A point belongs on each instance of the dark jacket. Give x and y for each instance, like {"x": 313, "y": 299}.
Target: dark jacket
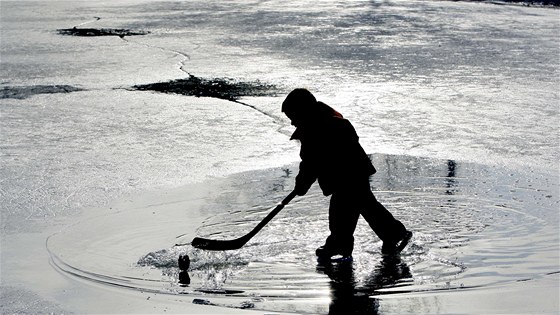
{"x": 330, "y": 153}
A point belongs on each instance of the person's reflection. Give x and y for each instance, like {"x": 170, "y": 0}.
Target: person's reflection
{"x": 350, "y": 297}
{"x": 184, "y": 263}
{"x": 184, "y": 279}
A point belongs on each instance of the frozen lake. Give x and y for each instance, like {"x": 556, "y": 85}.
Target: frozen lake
{"x": 424, "y": 82}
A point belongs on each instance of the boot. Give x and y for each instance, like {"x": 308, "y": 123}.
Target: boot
{"x": 334, "y": 248}
{"x": 395, "y": 247}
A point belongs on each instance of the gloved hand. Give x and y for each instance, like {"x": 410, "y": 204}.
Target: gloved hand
{"x": 304, "y": 179}
{"x": 302, "y": 187}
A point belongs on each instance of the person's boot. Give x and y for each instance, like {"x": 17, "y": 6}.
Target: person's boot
{"x": 395, "y": 247}
{"x": 329, "y": 251}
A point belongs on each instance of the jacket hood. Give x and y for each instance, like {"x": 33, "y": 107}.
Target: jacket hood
{"x": 321, "y": 113}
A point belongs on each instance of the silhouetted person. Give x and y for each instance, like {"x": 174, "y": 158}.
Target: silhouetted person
{"x": 330, "y": 153}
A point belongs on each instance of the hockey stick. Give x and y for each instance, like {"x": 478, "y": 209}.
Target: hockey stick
{"x": 207, "y": 244}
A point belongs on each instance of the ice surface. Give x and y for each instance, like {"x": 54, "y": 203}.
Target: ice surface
{"x": 412, "y": 83}
{"x": 465, "y": 82}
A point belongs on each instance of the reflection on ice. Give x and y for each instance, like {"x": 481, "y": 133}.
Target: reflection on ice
{"x": 349, "y": 292}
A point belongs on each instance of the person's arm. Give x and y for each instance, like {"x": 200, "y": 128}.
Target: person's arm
{"x": 305, "y": 178}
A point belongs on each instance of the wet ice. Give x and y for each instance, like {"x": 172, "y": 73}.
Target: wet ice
{"x": 464, "y": 227}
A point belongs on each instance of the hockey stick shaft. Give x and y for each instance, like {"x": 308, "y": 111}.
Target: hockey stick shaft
{"x": 208, "y": 244}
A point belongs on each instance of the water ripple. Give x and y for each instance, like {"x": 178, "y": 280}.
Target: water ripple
{"x": 468, "y": 234}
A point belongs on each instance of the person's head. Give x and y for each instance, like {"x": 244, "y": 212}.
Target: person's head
{"x": 299, "y": 106}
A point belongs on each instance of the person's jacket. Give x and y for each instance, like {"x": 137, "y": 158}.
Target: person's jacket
{"x": 330, "y": 153}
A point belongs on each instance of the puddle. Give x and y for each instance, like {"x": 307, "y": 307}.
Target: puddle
{"x": 90, "y": 32}
{"x": 223, "y": 88}
{"x": 21, "y": 92}
{"x": 476, "y": 227}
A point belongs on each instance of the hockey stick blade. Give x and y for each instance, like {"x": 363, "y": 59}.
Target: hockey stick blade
{"x": 208, "y": 244}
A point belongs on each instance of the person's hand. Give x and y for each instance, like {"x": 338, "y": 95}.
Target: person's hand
{"x": 301, "y": 188}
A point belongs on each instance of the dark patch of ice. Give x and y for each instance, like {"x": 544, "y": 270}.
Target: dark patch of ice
{"x": 202, "y": 302}
{"x": 223, "y": 88}
{"x": 538, "y": 3}
{"x": 21, "y": 92}
{"x": 99, "y": 32}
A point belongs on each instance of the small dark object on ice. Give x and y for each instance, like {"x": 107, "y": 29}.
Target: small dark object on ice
{"x": 184, "y": 278}
{"x": 219, "y": 291}
{"x": 184, "y": 262}
{"x": 202, "y": 302}
{"x": 246, "y": 305}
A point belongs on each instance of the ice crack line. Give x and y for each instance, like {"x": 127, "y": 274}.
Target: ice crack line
{"x": 96, "y": 18}
{"x": 185, "y": 57}
{"x": 277, "y": 120}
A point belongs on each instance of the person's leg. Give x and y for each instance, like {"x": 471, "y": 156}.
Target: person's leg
{"x": 343, "y": 217}
{"x": 390, "y": 230}
{"x": 381, "y": 221}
